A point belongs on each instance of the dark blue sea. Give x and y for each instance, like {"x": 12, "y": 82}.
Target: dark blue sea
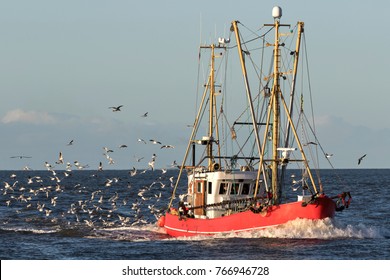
{"x": 111, "y": 215}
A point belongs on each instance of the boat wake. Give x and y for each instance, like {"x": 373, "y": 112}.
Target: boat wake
{"x": 304, "y": 229}
{"x": 317, "y": 229}
{"x": 298, "y": 229}
{"x": 147, "y": 232}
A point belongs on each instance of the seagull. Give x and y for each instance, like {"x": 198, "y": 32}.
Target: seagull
{"x": 138, "y": 159}
{"x": 79, "y": 166}
{"x": 310, "y": 143}
{"x": 30, "y": 180}
{"x": 116, "y": 109}
{"x": 151, "y": 164}
{"x": 108, "y": 182}
{"x": 144, "y": 115}
{"x": 7, "y": 186}
{"x": 100, "y": 168}
{"x": 110, "y": 160}
{"x": 328, "y": 155}
{"x": 54, "y": 201}
{"x": 70, "y": 143}
{"x": 60, "y": 159}
{"x": 141, "y": 140}
{"x": 68, "y": 167}
{"x": 133, "y": 172}
{"x": 167, "y": 146}
{"x": 108, "y": 150}
{"x": 361, "y": 158}
{"x": 20, "y": 157}
{"x": 155, "y": 141}
{"x": 47, "y": 211}
{"x": 123, "y": 146}
{"x": 48, "y": 165}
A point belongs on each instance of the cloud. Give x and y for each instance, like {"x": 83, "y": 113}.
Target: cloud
{"x": 30, "y": 117}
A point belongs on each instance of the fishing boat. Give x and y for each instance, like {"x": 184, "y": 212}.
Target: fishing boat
{"x": 254, "y": 170}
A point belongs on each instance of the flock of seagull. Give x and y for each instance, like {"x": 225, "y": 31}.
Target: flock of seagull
{"x": 90, "y": 198}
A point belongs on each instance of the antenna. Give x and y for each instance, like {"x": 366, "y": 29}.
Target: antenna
{"x": 200, "y": 28}
{"x": 277, "y": 12}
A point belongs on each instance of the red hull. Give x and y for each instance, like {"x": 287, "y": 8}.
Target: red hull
{"x": 324, "y": 207}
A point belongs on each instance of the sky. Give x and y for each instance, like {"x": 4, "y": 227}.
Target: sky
{"x": 64, "y": 63}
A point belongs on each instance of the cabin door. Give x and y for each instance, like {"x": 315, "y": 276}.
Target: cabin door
{"x": 199, "y": 192}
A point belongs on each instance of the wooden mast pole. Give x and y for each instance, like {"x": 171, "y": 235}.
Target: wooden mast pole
{"x": 275, "y": 96}
{"x": 276, "y": 115}
{"x": 211, "y": 113}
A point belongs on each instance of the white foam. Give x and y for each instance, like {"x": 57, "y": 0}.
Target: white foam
{"x": 32, "y": 230}
{"x": 303, "y": 229}
{"x": 146, "y": 232}
{"x": 297, "y": 229}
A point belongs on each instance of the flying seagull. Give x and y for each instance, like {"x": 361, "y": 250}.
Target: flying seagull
{"x": 138, "y": 159}
{"x": 361, "y": 158}
{"x": 155, "y": 141}
{"x": 151, "y": 164}
{"x": 167, "y": 147}
{"x": 20, "y": 157}
{"x": 116, "y": 109}
{"x": 145, "y": 115}
{"x": 60, "y": 159}
{"x": 70, "y": 142}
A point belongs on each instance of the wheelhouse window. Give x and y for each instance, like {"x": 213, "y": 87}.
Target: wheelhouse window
{"x": 235, "y": 188}
{"x": 245, "y": 188}
{"x": 210, "y": 188}
{"x": 223, "y": 187}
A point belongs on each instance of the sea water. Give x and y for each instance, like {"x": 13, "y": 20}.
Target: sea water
{"x": 111, "y": 215}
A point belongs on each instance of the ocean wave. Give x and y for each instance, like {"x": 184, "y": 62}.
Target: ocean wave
{"x": 28, "y": 230}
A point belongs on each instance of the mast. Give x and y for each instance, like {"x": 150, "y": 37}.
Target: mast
{"x": 276, "y": 116}
{"x": 277, "y": 99}
{"x": 212, "y": 105}
{"x": 211, "y": 110}
{"x": 275, "y": 96}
